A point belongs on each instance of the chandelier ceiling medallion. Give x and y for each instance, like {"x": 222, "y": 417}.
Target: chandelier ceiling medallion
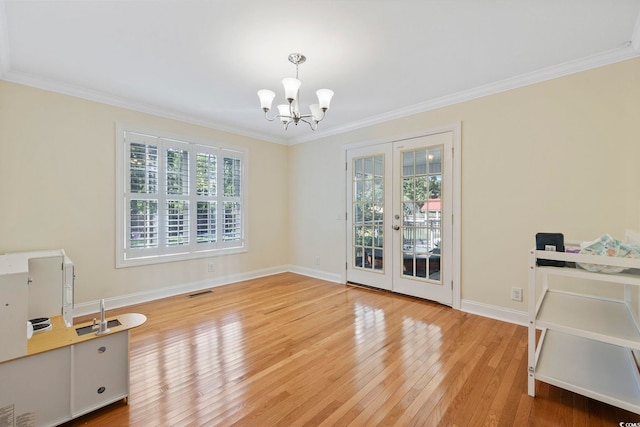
{"x": 291, "y": 113}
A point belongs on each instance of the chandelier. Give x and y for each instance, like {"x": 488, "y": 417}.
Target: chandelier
{"x": 290, "y": 113}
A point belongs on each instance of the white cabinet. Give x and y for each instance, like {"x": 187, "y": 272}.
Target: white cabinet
{"x": 34, "y": 389}
{"x": 52, "y": 387}
{"x": 587, "y": 342}
{"x": 100, "y": 372}
{"x": 65, "y": 375}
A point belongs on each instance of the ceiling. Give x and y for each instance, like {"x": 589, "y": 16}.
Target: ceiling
{"x": 203, "y": 61}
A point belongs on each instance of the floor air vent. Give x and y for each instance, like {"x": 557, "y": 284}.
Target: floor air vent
{"x": 197, "y": 294}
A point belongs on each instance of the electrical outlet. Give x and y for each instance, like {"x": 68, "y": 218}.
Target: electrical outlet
{"x": 210, "y": 267}
{"x": 516, "y": 294}
{"x": 317, "y": 260}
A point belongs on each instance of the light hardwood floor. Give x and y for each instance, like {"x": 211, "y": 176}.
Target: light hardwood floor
{"x": 289, "y": 350}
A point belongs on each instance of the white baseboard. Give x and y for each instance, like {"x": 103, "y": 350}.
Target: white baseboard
{"x": 317, "y": 274}
{"x": 91, "y": 307}
{"x": 494, "y": 312}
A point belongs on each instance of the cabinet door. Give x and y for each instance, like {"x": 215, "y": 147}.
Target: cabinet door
{"x": 45, "y": 288}
{"x": 36, "y": 389}
{"x": 13, "y": 315}
{"x": 100, "y": 372}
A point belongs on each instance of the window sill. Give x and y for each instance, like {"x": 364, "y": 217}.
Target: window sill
{"x": 163, "y": 259}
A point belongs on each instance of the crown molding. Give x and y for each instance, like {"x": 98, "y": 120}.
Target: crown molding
{"x": 115, "y": 101}
{"x": 594, "y": 61}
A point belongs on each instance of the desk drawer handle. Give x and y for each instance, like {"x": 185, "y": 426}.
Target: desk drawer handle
{"x": 102, "y": 349}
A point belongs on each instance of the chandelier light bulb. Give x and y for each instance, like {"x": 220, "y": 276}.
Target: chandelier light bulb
{"x": 291, "y": 87}
{"x": 290, "y": 113}
{"x": 316, "y": 112}
{"x": 266, "y": 99}
{"x": 324, "y": 98}
{"x": 284, "y": 113}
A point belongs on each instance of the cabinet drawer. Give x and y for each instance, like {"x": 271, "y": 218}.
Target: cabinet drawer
{"x": 100, "y": 372}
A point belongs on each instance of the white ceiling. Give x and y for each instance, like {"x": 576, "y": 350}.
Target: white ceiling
{"x": 203, "y": 61}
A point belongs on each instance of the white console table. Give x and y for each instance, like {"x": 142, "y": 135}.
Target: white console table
{"x": 65, "y": 375}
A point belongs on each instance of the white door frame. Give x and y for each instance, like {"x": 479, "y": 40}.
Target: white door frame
{"x": 456, "y": 130}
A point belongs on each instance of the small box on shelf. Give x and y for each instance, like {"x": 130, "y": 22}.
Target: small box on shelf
{"x": 553, "y": 242}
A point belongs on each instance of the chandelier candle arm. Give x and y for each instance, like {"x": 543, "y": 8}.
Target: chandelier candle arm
{"x": 290, "y": 113}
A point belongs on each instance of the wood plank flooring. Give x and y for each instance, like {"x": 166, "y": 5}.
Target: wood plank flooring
{"x": 289, "y": 350}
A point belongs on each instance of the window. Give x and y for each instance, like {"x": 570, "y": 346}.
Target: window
{"x": 177, "y": 199}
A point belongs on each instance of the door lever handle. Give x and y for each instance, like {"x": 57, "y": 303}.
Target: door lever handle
{"x": 396, "y": 227}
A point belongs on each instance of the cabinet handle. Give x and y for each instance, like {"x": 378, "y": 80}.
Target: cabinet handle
{"x": 101, "y": 390}
{"x": 102, "y": 349}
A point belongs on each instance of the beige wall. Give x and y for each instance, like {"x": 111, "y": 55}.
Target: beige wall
{"x": 558, "y": 156}
{"x": 317, "y": 207}
{"x": 57, "y": 174}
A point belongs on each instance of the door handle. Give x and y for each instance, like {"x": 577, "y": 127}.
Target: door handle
{"x": 396, "y": 227}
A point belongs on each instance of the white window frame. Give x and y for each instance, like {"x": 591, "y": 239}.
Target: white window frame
{"x": 127, "y": 256}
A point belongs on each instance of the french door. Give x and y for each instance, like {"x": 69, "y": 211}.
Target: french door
{"x": 399, "y": 215}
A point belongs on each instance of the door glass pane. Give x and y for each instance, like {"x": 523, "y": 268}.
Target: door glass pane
{"x": 378, "y": 166}
{"x": 407, "y": 189}
{"x": 407, "y": 163}
{"x": 408, "y": 264}
{"x": 422, "y": 210}
{"x": 357, "y": 168}
{"x": 358, "y": 215}
{"x": 368, "y": 208}
{"x": 368, "y": 168}
{"x": 359, "y": 190}
{"x": 358, "y": 254}
{"x": 421, "y": 162}
{"x": 358, "y": 231}
{"x": 435, "y": 160}
{"x": 378, "y": 193}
